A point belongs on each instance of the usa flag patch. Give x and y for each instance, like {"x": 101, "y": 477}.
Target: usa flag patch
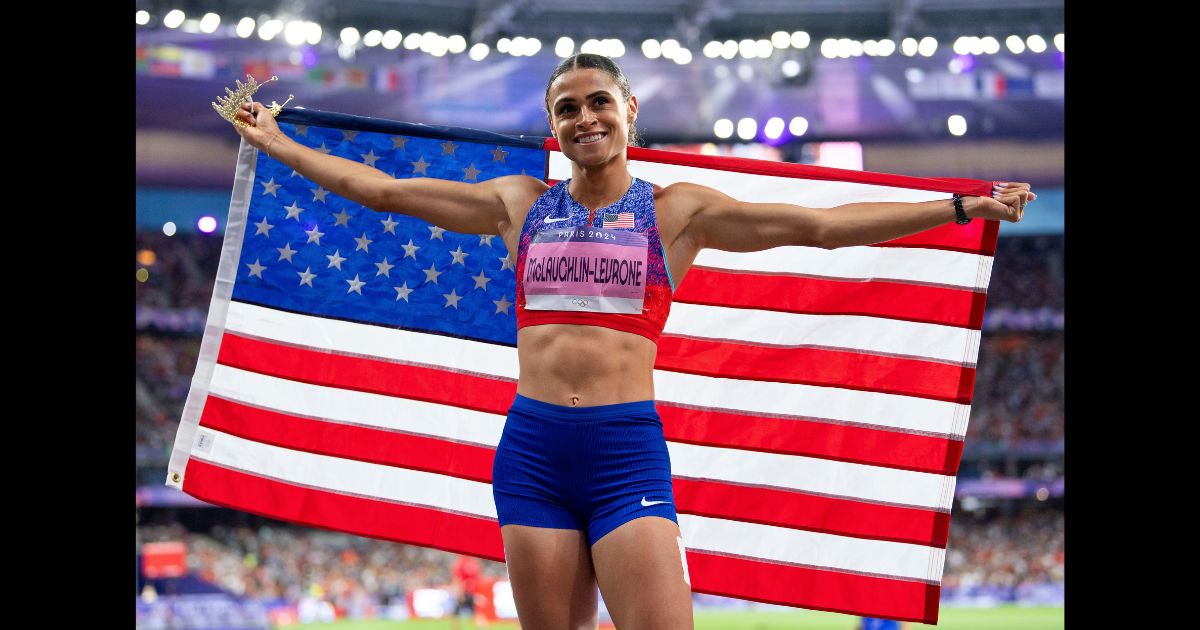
{"x": 618, "y": 220}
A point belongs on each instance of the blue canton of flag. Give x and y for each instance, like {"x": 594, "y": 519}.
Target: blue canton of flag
{"x": 308, "y": 250}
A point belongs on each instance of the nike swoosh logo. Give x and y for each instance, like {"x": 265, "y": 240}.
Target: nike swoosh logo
{"x": 646, "y": 503}
{"x": 549, "y": 220}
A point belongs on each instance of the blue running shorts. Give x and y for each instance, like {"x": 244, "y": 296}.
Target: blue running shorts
{"x": 587, "y": 468}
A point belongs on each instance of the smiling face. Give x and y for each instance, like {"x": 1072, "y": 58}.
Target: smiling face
{"x": 589, "y": 116}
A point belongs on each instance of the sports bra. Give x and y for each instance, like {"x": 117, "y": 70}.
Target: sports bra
{"x": 605, "y": 268}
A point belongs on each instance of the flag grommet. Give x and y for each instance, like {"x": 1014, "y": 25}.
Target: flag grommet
{"x": 176, "y": 477}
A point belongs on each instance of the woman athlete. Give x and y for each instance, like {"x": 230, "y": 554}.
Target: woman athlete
{"x": 582, "y": 480}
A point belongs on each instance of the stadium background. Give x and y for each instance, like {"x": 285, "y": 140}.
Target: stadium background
{"x": 947, "y": 88}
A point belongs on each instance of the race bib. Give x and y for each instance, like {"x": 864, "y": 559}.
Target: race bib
{"x": 600, "y": 270}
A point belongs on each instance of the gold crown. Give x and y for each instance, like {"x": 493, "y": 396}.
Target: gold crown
{"x": 230, "y": 104}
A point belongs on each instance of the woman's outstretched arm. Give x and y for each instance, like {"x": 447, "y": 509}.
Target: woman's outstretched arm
{"x": 457, "y": 206}
{"x": 719, "y": 221}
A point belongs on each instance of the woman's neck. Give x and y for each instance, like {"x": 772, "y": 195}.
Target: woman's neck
{"x": 601, "y": 185}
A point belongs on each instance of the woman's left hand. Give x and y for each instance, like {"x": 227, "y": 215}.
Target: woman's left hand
{"x": 1007, "y": 202}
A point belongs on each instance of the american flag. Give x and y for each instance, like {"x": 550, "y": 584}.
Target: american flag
{"x": 357, "y": 368}
{"x": 618, "y": 220}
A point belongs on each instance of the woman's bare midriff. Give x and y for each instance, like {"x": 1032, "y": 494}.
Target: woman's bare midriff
{"x": 584, "y": 366}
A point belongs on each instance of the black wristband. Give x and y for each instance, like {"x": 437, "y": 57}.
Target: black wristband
{"x": 960, "y": 215}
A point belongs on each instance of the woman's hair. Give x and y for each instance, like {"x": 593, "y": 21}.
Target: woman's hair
{"x": 595, "y": 62}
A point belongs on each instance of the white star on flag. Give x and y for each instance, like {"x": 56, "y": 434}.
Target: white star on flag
{"x": 255, "y": 269}
{"x": 389, "y": 225}
{"x": 314, "y": 235}
{"x": 285, "y": 252}
{"x": 369, "y": 157}
{"x": 436, "y": 232}
{"x": 402, "y": 292}
{"x": 263, "y": 228}
{"x": 319, "y": 194}
{"x": 306, "y": 276}
{"x": 432, "y": 273}
{"x": 384, "y": 268}
{"x": 502, "y": 305}
{"x": 481, "y": 281}
{"x": 293, "y": 211}
{"x": 355, "y": 285}
{"x": 270, "y": 187}
{"x": 335, "y": 260}
{"x": 452, "y": 298}
{"x": 459, "y": 256}
{"x": 343, "y": 219}
{"x": 363, "y": 243}
{"x": 410, "y": 249}
{"x": 506, "y": 263}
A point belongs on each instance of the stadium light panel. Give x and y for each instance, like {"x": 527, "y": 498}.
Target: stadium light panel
{"x": 729, "y": 49}
{"x": 429, "y": 41}
{"x": 373, "y": 38}
{"x": 870, "y": 48}
{"x": 927, "y": 46}
{"x": 683, "y": 56}
{"x": 977, "y": 46}
{"x": 349, "y": 36}
{"x": 781, "y": 39}
{"x": 790, "y": 68}
{"x": 206, "y": 224}
{"x": 774, "y": 128}
{"x": 991, "y": 45}
{"x": 479, "y": 52}
{"x": 295, "y": 32}
{"x": 245, "y": 27}
{"x": 589, "y": 46}
{"x": 438, "y": 46}
{"x": 270, "y": 29}
{"x": 800, "y": 39}
{"x": 799, "y": 126}
{"x": 746, "y": 47}
{"x": 763, "y": 48}
{"x": 173, "y": 19}
{"x": 142, "y": 18}
{"x": 746, "y": 128}
{"x": 1015, "y": 44}
{"x": 504, "y": 45}
{"x": 412, "y": 41}
{"x": 669, "y": 47}
{"x": 1036, "y": 43}
{"x": 886, "y": 47}
{"x": 564, "y": 47}
{"x": 855, "y": 48}
{"x": 615, "y": 48}
{"x": 908, "y": 46}
{"x": 456, "y": 44}
{"x": 829, "y": 48}
{"x": 392, "y": 39}
{"x": 712, "y": 49}
{"x": 957, "y": 125}
{"x": 210, "y": 22}
{"x": 313, "y": 33}
{"x": 651, "y": 49}
{"x": 962, "y": 45}
{"x": 169, "y": 228}
{"x": 723, "y": 128}
{"x": 1060, "y": 42}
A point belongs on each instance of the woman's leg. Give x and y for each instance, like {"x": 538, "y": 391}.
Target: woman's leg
{"x": 641, "y": 575}
{"x": 552, "y": 578}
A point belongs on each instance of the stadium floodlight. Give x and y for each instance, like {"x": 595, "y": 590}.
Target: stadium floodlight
{"x": 1036, "y": 43}
{"x": 429, "y": 41}
{"x": 978, "y": 47}
{"x": 391, "y": 40}
{"x": 349, "y": 36}
{"x": 210, "y": 22}
{"x": 207, "y": 224}
{"x": 723, "y": 128}
{"x": 313, "y": 33}
{"x": 829, "y": 48}
{"x": 269, "y": 29}
{"x": 746, "y": 47}
{"x": 504, "y": 45}
{"x": 456, "y": 44}
{"x": 780, "y": 39}
{"x": 798, "y": 126}
{"x": 564, "y": 47}
{"x": 295, "y": 32}
{"x": 774, "y": 128}
{"x": 590, "y": 46}
{"x": 479, "y": 52}
{"x": 729, "y": 49}
{"x": 245, "y": 27}
{"x": 373, "y": 38}
{"x": 908, "y": 46}
{"x": 927, "y": 46}
{"x": 962, "y": 45}
{"x": 1015, "y": 44}
{"x": 746, "y": 128}
{"x": 957, "y": 125}
{"x": 651, "y": 49}
{"x": 683, "y": 56}
{"x": 169, "y": 228}
{"x": 438, "y": 45}
{"x": 412, "y": 41}
{"x": 886, "y": 47}
{"x": 790, "y": 68}
{"x": 843, "y": 48}
{"x": 800, "y": 39}
{"x": 173, "y": 19}
{"x": 991, "y": 45}
{"x": 142, "y": 274}
{"x": 855, "y": 48}
{"x": 533, "y": 46}
{"x": 669, "y": 47}
{"x": 1060, "y": 42}
{"x": 615, "y": 48}
{"x": 763, "y": 48}
{"x": 142, "y": 18}
{"x": 870, "y": 48}
{"x": 712, "y": 49}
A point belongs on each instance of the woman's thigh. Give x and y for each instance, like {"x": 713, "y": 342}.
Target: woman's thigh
{"x": 640, "y": 569}
{"x": 552, "y": 578}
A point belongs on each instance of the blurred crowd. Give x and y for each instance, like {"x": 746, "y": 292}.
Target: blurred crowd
{"x": 1012, "y": 550}
{"x": 1018, "y": 389}
{"x": 1028, "y": 273}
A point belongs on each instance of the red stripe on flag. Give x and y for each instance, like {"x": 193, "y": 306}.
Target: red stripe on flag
{"x": 793, "y": 436}
{"x": 800, "y": 510}
{"x": 818, "y": 589}
{"x": 808, "y": 366}
{"x": 824, "y": 296}
{"x": 976, "y": 237}
{"x": 416, "y": 525}
{"x": 367, "y": 444}
{"x": 812, "y": 438}
{"x": 364, "y": 374}
{"x": 756, "y": 504}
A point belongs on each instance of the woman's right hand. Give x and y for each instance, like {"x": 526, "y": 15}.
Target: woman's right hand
{"x": 260, "y": 124}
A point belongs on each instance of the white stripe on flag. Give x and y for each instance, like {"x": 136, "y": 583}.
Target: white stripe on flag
{"x": 349, "y": 476}
{"x": 909, "y": 413}
{"x": 814, "y": 549}
{"x": 904, "y": 264}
